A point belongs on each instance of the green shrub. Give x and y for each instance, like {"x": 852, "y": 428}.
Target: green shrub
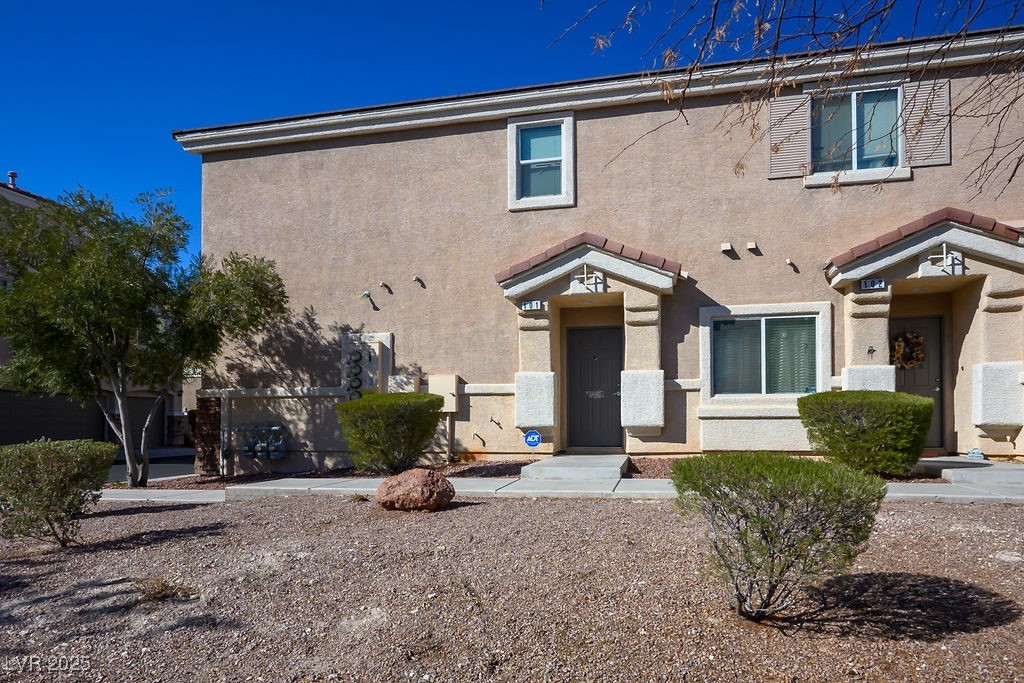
{"x": 777, "y": 523}
{"x": 878, "y": 432}
{"x": 388, "y": 432}
{"x": 45, "y": 485}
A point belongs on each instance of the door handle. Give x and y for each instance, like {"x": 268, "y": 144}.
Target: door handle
{"x": 616, "y": 393}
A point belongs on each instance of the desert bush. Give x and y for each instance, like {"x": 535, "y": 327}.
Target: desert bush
{"x": 387, "y": 432}
{"x": 878, "y": 432}
{"x": 46, "y": 485}
{"x": 777, "y": 523}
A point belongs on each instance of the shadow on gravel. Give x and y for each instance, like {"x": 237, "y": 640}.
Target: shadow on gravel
{"x": 903, "y": 606}
{"x": 455, "y": 504}
{"x": 140, "y": 510}
{"x": 502, "y": 469}
{"x": 148, "y": 538}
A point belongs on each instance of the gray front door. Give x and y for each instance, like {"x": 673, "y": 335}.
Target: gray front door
{"x": 594, "y": 357}
{"x": 924, "y": 379}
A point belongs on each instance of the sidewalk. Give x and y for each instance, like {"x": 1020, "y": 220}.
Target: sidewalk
{"x": 482, "y": 487}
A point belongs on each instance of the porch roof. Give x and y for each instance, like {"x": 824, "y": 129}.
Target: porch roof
{"x": 603, "y": 243}
{"x": 948, "y": 214}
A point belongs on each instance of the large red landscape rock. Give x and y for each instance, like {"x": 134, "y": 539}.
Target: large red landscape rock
{"x": 416, "y": 489}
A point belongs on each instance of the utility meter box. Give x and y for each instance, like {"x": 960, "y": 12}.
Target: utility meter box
{"x": 365, "y": 363}
{"x": 447, "y": 387}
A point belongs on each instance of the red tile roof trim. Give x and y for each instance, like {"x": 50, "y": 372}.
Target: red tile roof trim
{"x": 942, "y": 215}
{"x": 593, "y": 240}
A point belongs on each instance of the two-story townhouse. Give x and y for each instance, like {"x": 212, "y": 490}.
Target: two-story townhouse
{"x": 575, "y": 258}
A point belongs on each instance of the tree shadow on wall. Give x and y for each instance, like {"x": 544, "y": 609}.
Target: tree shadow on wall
{"x": 903, "y": 606}
{"x": 298, "y": 353}
{"x": 301, "y": 352}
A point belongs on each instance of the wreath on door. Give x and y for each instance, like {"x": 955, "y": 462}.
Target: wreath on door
{"x": 907, "y": 350}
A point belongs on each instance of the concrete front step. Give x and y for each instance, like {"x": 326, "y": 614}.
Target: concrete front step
{"x": 577, "y": 468}
{"x": 960, "y": 470}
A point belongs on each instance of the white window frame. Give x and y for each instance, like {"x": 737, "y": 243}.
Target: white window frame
{"x": 516, "y": 202}
{"x": 859, "y": 176}
{"x": 820, "y": 310}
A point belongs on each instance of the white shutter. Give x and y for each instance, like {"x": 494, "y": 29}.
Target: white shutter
{"x": 789, "y": 136}
{"x": 926, "y": 123}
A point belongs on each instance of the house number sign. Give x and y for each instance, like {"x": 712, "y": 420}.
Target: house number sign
{"x": 875, "y": 283}
{"x": 531, "y": 305}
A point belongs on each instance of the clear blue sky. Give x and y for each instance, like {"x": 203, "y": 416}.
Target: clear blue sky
{"x": 92, "y": 90}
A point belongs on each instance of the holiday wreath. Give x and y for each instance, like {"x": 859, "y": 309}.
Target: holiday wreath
{"x": 907, "y": 350}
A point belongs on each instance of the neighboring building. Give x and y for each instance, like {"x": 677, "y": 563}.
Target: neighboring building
{"x": 570, "y": 258}
{"x": 27, "y": 418}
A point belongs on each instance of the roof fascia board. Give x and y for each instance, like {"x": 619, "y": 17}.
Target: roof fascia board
{"x": 968, "y": 239}
{"x": 639, "y": 274}
{"x": 579, "y": 96}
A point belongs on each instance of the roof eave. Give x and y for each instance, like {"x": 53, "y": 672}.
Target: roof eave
{"x": 580, "y": 95}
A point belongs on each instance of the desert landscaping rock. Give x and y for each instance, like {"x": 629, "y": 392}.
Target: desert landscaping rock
{"x": 323, "y": 589}
{"x": 415, "y": 489}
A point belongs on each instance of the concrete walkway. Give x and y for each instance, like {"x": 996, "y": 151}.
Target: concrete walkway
{"x": 973, "y": 482}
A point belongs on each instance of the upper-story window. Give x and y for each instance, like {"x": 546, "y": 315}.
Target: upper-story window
{"x": 875, "y": 131}
{"x": 855, "y": 131}
{"x": 541, "y": 155}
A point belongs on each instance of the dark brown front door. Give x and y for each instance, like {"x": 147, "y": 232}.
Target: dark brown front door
{"x": 924, "y": 379}
{"x": 595, "y": 367}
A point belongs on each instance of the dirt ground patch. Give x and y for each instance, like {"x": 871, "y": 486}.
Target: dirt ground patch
{"x": 500, "y": 469}
{"x": 318, "y": 588}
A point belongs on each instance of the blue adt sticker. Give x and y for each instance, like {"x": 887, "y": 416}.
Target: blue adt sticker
{"x": 532, "y": 438}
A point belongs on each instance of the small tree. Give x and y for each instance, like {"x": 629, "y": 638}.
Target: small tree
{"x": 46, "y": 485}
{"x": 777, "y": 523}
{"x": 102, "y": 304}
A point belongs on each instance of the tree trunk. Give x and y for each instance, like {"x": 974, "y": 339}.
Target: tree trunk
{"x": 124, "y": 433}
{"x": 144, "y": 446}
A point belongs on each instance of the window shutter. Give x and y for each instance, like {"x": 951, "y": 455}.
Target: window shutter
{"x": 926, "y": 123}
{"x": 789, "y": 136}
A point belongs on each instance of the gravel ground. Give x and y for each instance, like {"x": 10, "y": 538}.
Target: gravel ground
{"x": 319, "y": 588}
{"x": 470, "y": 469}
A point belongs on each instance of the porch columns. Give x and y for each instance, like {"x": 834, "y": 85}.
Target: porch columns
{"x": 643, "y": 379}
{"x": 997, "y": 387}
{"x": 866, "y": 330}
{"x": 535, "y": 381}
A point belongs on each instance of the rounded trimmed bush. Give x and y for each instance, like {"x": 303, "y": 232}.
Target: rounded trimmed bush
{"x": 777, "y": 523}
{"x": 878, "y": 432}
{"x": 46, "y": 485}
{"x": 387, "y": 432}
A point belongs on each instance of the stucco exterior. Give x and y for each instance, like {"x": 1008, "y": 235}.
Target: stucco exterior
{"x": 370, "y": 212}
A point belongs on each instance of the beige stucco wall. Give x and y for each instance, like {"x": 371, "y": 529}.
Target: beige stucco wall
{"x": 341, "y": 216}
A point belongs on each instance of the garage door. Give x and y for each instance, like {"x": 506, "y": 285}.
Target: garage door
{"x": 27, "y": 418}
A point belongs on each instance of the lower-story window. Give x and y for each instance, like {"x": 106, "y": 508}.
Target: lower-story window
{"x": 764, "y": 355}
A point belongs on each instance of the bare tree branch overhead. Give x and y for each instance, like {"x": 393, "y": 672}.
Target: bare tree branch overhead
{"x": 822, "y": 46}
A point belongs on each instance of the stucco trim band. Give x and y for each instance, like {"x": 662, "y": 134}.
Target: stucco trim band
{"x": 997, "y": 395}
{"x": 535, "y": 400}
{"x": 643, "y": 401}
{"x": 869, "y": 377}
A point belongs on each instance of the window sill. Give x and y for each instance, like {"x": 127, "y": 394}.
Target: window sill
{"x": 752, "y": 406}
{"x": 532, "y": 203}
{"x": 863, "y": 177}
